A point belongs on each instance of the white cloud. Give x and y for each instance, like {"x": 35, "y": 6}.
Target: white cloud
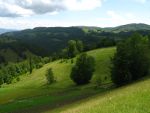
{"x": 112, "y": 19}
{"x": 25, "y": 23}
{"x": 115, "y": 18}
{"x": 14, "y": 8}
{"x": 82, "y": 4}
{"x": 41, "y": 6}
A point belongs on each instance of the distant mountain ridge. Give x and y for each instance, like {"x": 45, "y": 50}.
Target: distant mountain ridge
{"x": 121, "y": 28}
{"x": 128, "y": 27}
{"x": 46, "y": 41}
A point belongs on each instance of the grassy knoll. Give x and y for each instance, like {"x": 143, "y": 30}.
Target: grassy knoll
{"x": 32, "y": 90}
{"x": 133, "y": 98}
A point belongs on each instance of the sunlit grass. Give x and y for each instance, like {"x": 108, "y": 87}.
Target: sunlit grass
{"x": 133, "y": 98}
{"x": 34, "y": 85}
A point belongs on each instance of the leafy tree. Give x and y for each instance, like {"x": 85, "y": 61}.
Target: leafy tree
{"x": 72, "y": 49}
{"x": 17, "y": 79}
{"x": 50, "y": 76}
{"x": 64, "y": 53}
{"x": 131, "y": 60}
{"x": 46, "y": 60}
{"x": 79, "y": 45}
{"x": 30, "y": 65}
{"x": 7, "y": 78}
{"x": 83, "y": 70}
{"x": 106, "y": 42}
{"x": 119, "y": 72}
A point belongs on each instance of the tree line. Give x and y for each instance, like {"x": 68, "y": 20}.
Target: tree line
{"x": 131, "y": 60}
{"x": 14, "y": 70}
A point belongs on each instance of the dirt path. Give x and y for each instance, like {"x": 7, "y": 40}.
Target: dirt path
{"x": 42, "y": 108}
{"x": 61, "y": 103}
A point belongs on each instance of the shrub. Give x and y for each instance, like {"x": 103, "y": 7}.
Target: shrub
{"x": 72, "y": 61}
{"x": 17, "y": 79}
{"x": 83, "y": 70}
{"x": 50, "y": 76}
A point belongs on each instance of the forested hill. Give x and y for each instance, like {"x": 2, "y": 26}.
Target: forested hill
{"x": 45, "y": 41}
{"x": 122, "y": 28}
{"x": 127, "y": 28}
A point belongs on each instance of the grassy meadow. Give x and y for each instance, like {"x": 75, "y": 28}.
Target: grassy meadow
{"x": 133, "y": 98}
{"x": 32, "y": 91}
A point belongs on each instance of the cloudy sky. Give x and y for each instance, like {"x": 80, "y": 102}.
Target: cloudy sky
{"x": 22, "y": 14}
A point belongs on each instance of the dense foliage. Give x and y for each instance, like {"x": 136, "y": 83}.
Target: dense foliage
{"x": 50, "y": 76}
{"x": 14, "y": 70}
{"x": 83, "y": 70}
{"x": 49, "y": 41}
{"x": 132, "y": 60}
{"x": 73, "y": 48}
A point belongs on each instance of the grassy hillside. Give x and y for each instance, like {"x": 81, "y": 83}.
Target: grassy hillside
{"x": 133, "y": 98}
{"x": 32, "y": 91}
{"x": 32, "y": 94}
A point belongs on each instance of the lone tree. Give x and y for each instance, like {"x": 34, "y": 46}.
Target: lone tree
{"x": 131, "y": 60}
{"x": 83, "y": 70}
{"x": 50, "y": 76}
{"x": 72, "y": 49}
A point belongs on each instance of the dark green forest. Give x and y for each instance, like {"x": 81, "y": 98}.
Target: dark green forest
{"x": 50, "y": 41}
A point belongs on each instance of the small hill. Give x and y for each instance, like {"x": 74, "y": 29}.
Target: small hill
{"x": 118, "y": 29}
{"x": 128, "y": 27}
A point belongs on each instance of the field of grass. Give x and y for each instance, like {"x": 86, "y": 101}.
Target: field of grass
{"x": 133, "y": 98}
{"x": 31, "y": 91}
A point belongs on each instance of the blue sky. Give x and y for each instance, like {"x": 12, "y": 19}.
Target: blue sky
{"x": 22, "y": 14}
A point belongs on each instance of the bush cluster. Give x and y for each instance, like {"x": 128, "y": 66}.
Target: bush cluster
{"x": 131, "y": 60}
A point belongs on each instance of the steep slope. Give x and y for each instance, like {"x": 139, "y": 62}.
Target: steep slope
{"x": 18, "y": 95}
